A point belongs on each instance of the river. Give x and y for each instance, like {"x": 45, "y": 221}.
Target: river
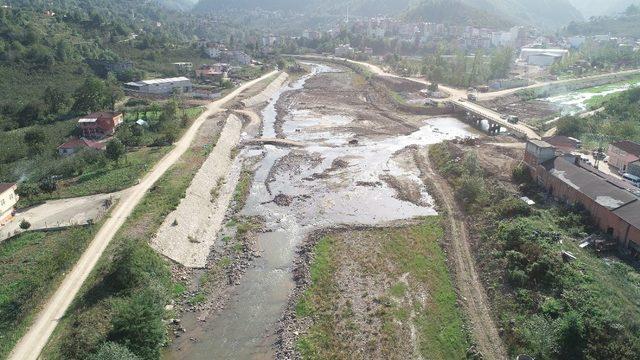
{"x": 329, "y": 182}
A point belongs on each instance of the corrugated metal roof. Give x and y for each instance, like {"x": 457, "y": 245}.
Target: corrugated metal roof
{"x": 595, "y": 187}
{"x": 630, "y": 213}
{"x": 158, "y": 81}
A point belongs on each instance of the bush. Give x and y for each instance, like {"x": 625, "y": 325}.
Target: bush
{"x": 137, "y": 324}
{"x": 521, "y": 174}
{"x": 27, "y": 189}
{"x": 24, "y": 224}
{"x": 113, "y": 351}
{"x": 512, "y": 207}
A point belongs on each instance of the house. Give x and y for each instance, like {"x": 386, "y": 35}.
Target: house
{"x": 237, "y": 57}
{"x": 183, "y": 67}
{"x": 215, "y": 72}
{"x": 100, "y": 124}
{"x": 8, "y": 201}
{"x": 623, "y": 153}
{"x": 214, "y": 51}
{"x": 564, "y": 143}
{"x": 165, "y": 86}
{"x": 344, "y": 50}
{"x": 614, "y": 209}
{"x": 74, "y": 145}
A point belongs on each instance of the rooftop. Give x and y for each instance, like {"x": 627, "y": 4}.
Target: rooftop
{"x": 158, "y": 81}
{"x": 6, "y": 186}
{"x": 79, "y": 143}
{"x": 630, "y": 213}
{"x": 588, "y": 183}
{"x": 627, "y": 146}
{"x": 540, "y": 143}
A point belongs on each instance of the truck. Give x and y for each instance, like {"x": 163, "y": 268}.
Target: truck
{"x": 512, "y": 119}
{"x": 472, "y": 97}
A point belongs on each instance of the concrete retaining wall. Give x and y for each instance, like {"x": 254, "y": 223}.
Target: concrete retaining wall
{"x": 266, "y": 94}
{"x": 187, "y": 234}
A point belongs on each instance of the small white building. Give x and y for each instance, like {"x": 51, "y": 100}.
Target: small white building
{"x": 344, "y": 50}
{"x": 165, "y": 86}
{"x": 238, "y": 57}
{"x": 8, "y": 201}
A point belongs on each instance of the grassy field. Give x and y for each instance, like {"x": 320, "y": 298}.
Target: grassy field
{"x": 397, "y": 284}
{"x": 31, "y": 266}
{"x": 107, "y": 178}
{"x": 92, "y": 319}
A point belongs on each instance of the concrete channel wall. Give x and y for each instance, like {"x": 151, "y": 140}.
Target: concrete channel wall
{"x": 187, "y": 234}
{"x": 268, "y": 92}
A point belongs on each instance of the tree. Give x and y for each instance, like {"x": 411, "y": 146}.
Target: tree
{"x": 90, "y": 96}
{"x": 115, "y": 150}
{"x": 54, "y": 100}
{"x": 29, "y": 114}
{"x": 48, "y": 185}
{"x": 35, "y": 139}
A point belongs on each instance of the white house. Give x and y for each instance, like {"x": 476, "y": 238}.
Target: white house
{"x": 344, "y": 50}
{"x": 8, "y": 201}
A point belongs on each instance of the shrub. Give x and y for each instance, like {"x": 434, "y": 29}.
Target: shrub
{"x": 113, "y": 351}
{"x": 512, "y": 207}
{"x": 24, "y": 224}
{"x": 137, "y": 324}
{"x": 521, "y": 174}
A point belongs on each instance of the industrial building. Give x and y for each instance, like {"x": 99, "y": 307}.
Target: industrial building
{"x": 542, "y": 57}
{"x": 165, "y": 86}
{"x": 614, "y": 209}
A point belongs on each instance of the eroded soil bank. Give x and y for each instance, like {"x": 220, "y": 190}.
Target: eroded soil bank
{"x": 356, "y": 169}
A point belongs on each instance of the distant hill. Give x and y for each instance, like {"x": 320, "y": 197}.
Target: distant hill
{"x": 540, "y": 13}
{"x": 543, "y": 13}
{"x": 590, "y": 8}
{"x": 625, "y": 24}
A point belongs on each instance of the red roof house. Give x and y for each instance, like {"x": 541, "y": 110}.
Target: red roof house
{"x": 100, "y": 124}
{"x": 74, "y": 145}
{"x": 623, "y": 153}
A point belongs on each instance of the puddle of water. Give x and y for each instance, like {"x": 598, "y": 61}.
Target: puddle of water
{"x": 325, "y": 181}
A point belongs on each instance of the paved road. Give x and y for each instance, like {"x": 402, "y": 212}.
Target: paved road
{"x": 32, "y": 343}
{"x": 457, "y": 97}
{"x": 497, "y": 94}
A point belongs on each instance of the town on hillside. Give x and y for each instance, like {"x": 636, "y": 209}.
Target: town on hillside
{"x": 341, "y": 179}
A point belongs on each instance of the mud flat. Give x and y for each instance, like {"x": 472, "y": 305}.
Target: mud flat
{"x": 187, "y": 234}
{"x": 353, "y": 172}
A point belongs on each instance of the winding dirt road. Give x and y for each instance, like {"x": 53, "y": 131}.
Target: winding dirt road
{"x": 473, "y": 297}
{"x": 32, "y": 343}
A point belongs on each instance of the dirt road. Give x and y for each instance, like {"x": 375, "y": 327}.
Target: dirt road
{"x": 38, "y": 334}
{"x": 473, "y": 297}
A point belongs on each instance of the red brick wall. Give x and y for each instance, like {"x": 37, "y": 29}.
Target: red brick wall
{"x": 603, "y": 218}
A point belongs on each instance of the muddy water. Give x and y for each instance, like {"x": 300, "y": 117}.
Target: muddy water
{"x": 329, "y": 182}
